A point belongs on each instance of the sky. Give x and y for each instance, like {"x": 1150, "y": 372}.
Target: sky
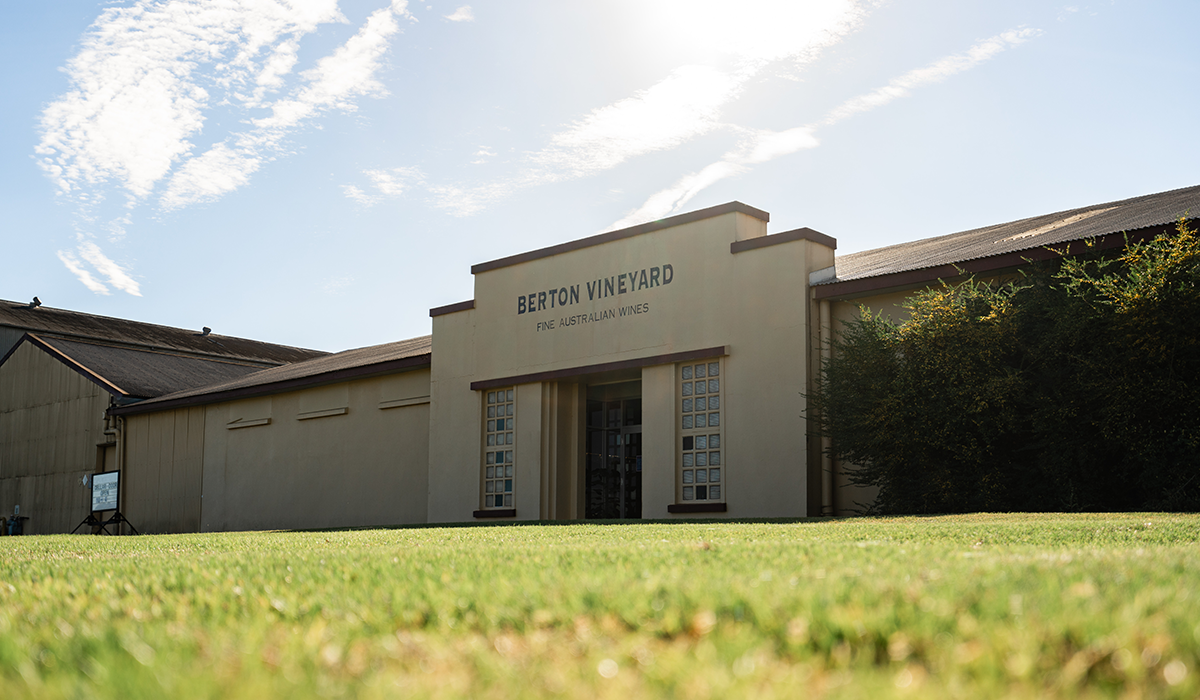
{"x": 321, "y": 173}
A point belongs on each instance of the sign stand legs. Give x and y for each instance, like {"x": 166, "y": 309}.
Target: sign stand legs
{"x": 89, "y": 520}
{"x": 116, "y": 519}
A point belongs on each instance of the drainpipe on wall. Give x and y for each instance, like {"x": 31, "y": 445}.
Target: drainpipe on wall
{"x": 112, "y": 435}
{"x": 110, "y": 429}
{"x": 827, "y": 477}
{"x": 120, "y": 430}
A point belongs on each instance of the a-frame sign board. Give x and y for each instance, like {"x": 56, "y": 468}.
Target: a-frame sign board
{"x": 106, "y": 490}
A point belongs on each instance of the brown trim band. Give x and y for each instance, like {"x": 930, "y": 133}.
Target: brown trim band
{"x": 800, "y": 234}
{"x": 69, "y": 362}
{"x": 696, "y": 508}
{"x": 501, "y": 513}
{"x": 341, "y": 375}
{"x": 557, "y": 374}
{"x": 452, "y": 308}
{"x": 622, "y": 234}
{"x": 993, "y": 263}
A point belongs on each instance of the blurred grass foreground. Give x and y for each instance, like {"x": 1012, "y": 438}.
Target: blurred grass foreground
{"x": 961, "y": 606}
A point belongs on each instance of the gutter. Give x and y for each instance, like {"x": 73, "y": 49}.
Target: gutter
{"x": 388, "y": 367}
{"x": 866, "y": 286}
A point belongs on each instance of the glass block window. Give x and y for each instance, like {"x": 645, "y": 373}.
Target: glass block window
{"x": 498, "y": 449}
{"x": 701, "y": 469}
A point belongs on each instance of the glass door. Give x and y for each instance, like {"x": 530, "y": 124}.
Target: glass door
{"x": 614, "y": 452}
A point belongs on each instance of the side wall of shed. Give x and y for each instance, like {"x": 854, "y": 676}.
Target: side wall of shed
{"x": 347, "y": 454}
{"x": 51, "y": 429}
{"x": 163, "y": 468}
{"x": 341, "y": 455}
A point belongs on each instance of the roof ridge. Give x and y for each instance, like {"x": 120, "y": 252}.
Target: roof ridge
{"x": 1003, "y": 243}
{"x": 151, "y": 349}
{"x": 980, "y": 229}
{"x": 16, "y": 306}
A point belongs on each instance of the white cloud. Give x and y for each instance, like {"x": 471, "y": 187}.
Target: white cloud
{"x": 769, "y": 145}
{"x": 280, "y": 63}
{"x": 679, "y": 108}
{"x": 146, "y": 78}
{"x": 338, "y": 78}
{"x": 688, "y": 102}
{"x": 933, "y": 73}
{"x": 395, "y": 181}
{"x": 387, "y": 183}
{"x": 116, "y": 275}
{"x": 684, "y": 105}
{"x": 462, "y": 14}
{"x": 205, "y": 178}
{"x": 116, "y": 227}
{"x": 755, "y": 32}
{"x": 358, "y": 195}
{"x": 136, "y": 97}
{"x": 76, "y": 268}
{"x": 763, "y": 146}
{"x": 756, "y": 147}
{"x": 347, "y": 73}
{"x": 674, "y": 197}
{"x": 102, "y": 264}
{"x": 461, "y": 201}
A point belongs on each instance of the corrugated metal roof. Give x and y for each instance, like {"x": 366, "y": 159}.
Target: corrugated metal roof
{"x": 142, "y": 373}
{"x": 315, "y": 370}
{"x": 73, "y": 324}
{"x": 1027, "y": 234}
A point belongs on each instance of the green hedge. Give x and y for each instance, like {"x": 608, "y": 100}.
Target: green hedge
{"x": 1075, "y": 388}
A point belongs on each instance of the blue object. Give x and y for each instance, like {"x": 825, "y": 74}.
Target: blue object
{"x": 16, "y": 526}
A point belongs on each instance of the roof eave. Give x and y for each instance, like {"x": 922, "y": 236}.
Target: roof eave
{"x": 70, "y": 362}
{"x": 362, "y": 372}
{"x": 911, "y": 279}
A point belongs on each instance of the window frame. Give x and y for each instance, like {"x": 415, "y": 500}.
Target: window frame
{"x": 497, "y": 462}
{"x": 695, "y": 467}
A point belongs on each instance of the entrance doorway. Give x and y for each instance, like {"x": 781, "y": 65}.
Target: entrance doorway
{"x": 613, "y": 479}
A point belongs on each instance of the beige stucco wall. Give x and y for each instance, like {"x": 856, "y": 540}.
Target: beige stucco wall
{"x": 755, "y": 302}
{"x": 340, "y": 455}
{"x": 51, "y": 420}
{"x": 162, "y": 476}
{"x": 348, "y": 454}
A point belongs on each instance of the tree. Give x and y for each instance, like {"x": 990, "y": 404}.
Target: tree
{"x": 1072, "y": 389}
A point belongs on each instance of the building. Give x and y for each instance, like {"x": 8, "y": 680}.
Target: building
{"x": 336, "y": 441}
{"x": 658, "y": 371}
{"x": 60, "y": 371}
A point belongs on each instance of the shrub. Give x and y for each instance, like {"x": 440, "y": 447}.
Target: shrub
{"x": 1072, "y": 389}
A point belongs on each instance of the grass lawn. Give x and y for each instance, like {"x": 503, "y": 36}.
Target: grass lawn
{"x": 962, "y": 606}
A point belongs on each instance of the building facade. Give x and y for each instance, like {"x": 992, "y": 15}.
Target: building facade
{"x": 654, "y": 372}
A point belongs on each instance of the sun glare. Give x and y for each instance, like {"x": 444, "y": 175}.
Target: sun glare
{"x": 756, "y": 31}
